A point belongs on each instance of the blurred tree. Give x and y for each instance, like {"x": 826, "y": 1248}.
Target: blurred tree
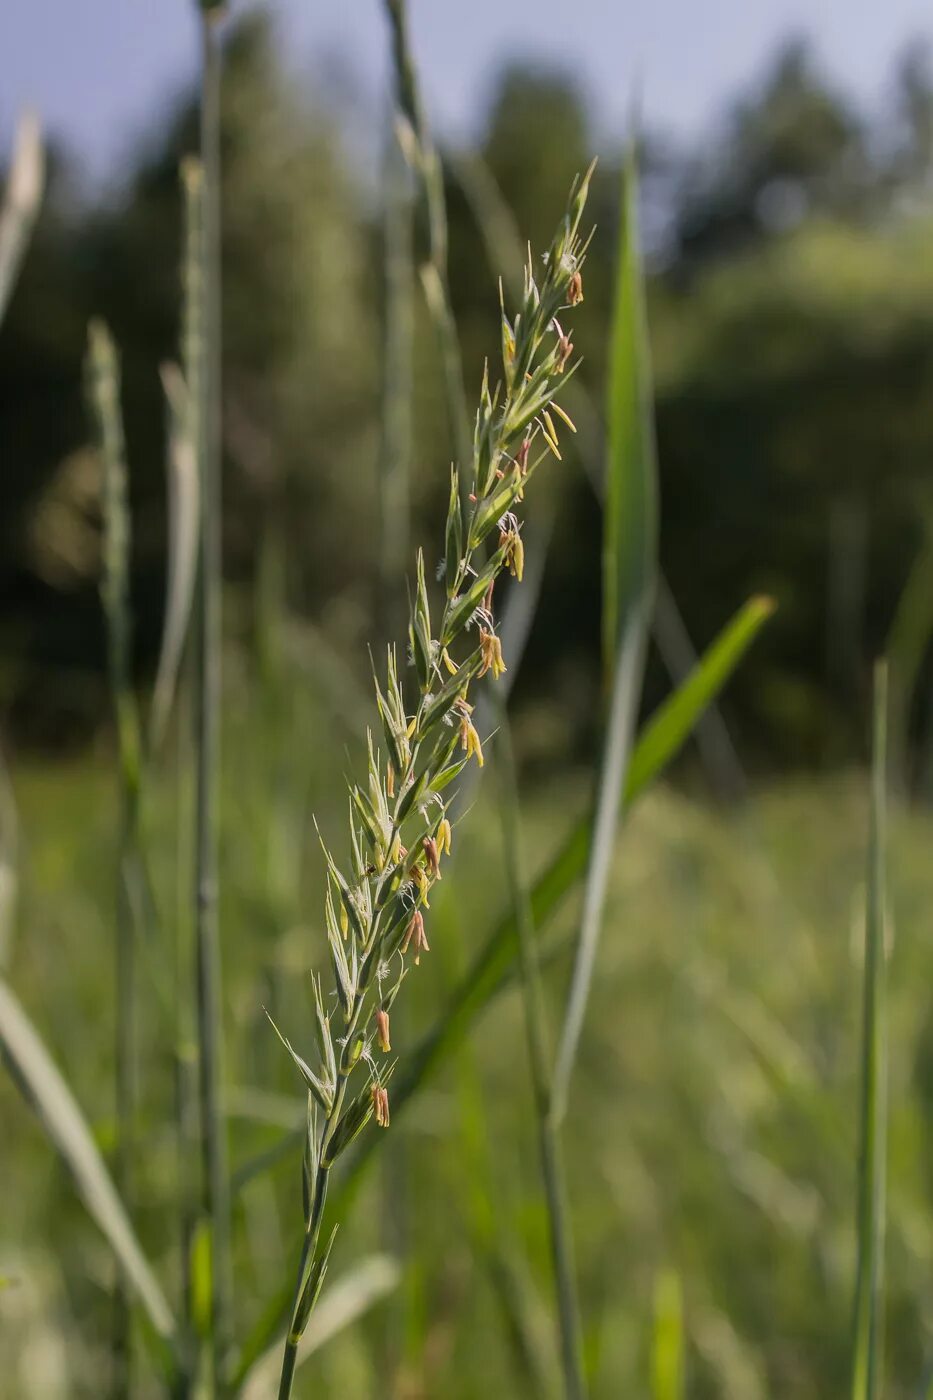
{"x": 300, "y": 363}
{"x": 792, "y": 148}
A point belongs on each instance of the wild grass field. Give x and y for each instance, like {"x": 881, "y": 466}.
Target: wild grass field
{"x": 594, "y": 1056}
{"x": 713, "y": 1129}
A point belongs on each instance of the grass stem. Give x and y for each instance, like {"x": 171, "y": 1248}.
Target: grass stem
{"x": 552, "y": 1168}
{"x": 215, "y": 1175}
{"x": 869, "y": 1287}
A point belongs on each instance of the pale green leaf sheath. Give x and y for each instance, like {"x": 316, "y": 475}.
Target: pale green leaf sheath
{"x": 375, "y": 911}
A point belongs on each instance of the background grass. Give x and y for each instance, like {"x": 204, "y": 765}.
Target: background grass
{"x": 713, "y": 1130}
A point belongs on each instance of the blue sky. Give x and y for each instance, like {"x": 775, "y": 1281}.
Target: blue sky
{"x": 99, "y": 70}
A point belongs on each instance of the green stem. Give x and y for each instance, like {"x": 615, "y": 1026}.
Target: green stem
{"x": 215, "y": 1174}
{"x": 408, "y": 96}
{"x": 552, "y": 1167}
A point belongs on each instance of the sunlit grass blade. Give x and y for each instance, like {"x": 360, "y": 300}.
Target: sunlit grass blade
{"x": 868, "y": 1320}
{"x": 183, "y": 510}
{"x": 667, "y": 1338}
{"x": 44, "y": 1088}
{"x": 21, "y": 203}
{"x": 629, "y": 569}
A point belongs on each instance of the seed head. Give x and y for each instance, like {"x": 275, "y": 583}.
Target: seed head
{"x": 564, "y": 351}
{"x": 381, "y": 1104}
{"x": 432, "y": 854}
{"x": 415, "y": 933}
{"x": 491, "y": 652}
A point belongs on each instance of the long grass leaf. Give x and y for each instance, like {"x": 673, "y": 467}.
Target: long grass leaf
{"x": 21, "y": 203}
{"x": 44, "y": 1088}
{"x": 629, "y": 569}
{"x": 869, "y": 1286}
{"x": 549, "y": 1144}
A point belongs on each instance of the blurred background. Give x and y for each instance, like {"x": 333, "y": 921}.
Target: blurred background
{"x": 787, "y": 218}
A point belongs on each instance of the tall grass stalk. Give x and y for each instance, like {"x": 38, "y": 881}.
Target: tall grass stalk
{"x": 185, "y": 405}
{"x": 868, "y": 1320}
{"x": 104, "y": 395}
{"x": 418, "y": 145}
{"x": 539, "y": 1059}
{"x": 215, "y": 1184}
{"x": 395, "y": 450}
{"x": 629, "y": 564}
{"x": 399, "y": 826}
{"x": 516, "y": 626}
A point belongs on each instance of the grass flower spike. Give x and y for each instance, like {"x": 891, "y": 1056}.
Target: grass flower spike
{"x": 373, "y": 908}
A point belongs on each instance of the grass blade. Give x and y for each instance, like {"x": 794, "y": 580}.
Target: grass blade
{"x": 21, "y": 204}
{"x": 44, "y": 1088}
{"x": 103, "y": 375}
{"x": 549, "y": 1144}
{"x": 215, "y": 1180}
{"x": 667, "y": 1338}
{"x": 629, "y": 568}
{"x": 869, "y": 1287}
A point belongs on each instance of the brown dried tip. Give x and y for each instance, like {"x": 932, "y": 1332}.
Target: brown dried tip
{"x": 382, "y": 1031}
{"x": 415, "y": 933}
{"x": 565, "y": 350}
{"x": 381, "y": 1104}
{"x": 432, "y": 855}
{"x": 491, "y": 652}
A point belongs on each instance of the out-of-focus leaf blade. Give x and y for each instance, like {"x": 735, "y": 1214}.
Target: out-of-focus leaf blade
{"x": 667, "y": 1338}
{"x": 867, "y": 1372}
{"x": 45, "y": 1089}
